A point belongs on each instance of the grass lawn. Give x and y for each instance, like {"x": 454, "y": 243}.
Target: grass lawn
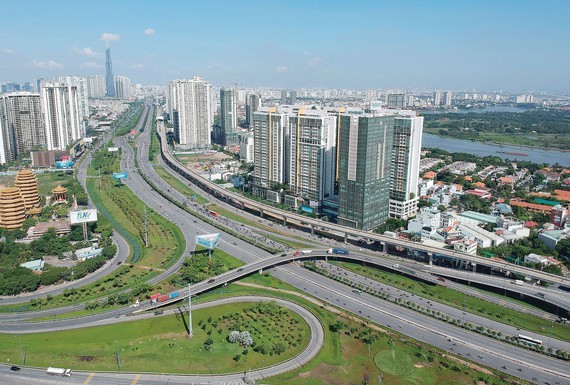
{"x": 166, "y": 241}
{"x": 178, "y": 185}
{"x": 455, "y": 299}
{"x": 160, "y": 344}
{"x": 345, "y": 359}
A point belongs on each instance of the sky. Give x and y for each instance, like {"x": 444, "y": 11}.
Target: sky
{"x": 514, "y": 45}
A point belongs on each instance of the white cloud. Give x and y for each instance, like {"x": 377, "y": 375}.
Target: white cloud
{"x": 107, "y": 36}
{"x": 149, "y": 32}
{"x": 91, "y": 64}
{"x": 87, "y": 51}
{"x": 314, "y": 61}
{"x": 8, "y": 51}
{"x": 49, "y": 64}
{"x": 281, "y": 69}
{"x": 138, "y": 66}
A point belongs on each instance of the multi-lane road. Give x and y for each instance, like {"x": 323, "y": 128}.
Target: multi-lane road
{"x": 490, "y": 352}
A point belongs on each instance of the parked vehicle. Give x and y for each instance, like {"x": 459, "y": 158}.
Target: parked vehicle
{"x": 338, "y": 251}
{"x": 58, "y": 372}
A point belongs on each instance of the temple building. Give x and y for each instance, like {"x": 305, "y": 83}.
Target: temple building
{"x": 12, "y": 208}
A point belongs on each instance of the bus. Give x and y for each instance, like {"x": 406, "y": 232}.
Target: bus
{"x": 529, "y": 340}
{"x": 214, "y": 214}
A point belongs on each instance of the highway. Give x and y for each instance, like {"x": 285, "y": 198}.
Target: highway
{"x": 410, "y": 323}
{"x": 314, "y": 344}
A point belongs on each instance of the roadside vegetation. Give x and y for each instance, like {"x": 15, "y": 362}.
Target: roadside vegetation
{"x": 457, "y": 300}
{"x": 277, "y": 335}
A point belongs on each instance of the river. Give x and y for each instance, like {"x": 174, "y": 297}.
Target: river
{"x": 476, "y": 110}
{"x": 483, "y": 149}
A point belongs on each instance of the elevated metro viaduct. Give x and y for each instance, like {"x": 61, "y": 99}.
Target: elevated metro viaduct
{"x": 299, "y": 220}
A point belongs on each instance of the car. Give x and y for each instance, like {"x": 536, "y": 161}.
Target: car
{"x": 283, "y": 255}
{"x": 240, "y": 269}
{"x": 15, "y": 368}
{"x": 158, "y": 312}
{"x": 211, "y": 280}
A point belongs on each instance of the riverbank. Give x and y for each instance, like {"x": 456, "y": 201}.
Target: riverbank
{"x": 532, "y": 154}
{"x": 555, "y": 142}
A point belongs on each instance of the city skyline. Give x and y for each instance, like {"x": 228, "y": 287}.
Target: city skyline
{"x": 366, "y": 44}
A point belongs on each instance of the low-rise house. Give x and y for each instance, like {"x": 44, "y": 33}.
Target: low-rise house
{"x": 551, "y": 238}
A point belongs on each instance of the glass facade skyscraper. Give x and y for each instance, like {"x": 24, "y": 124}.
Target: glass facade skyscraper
{"x": 110, "y": 79}
{"x": 364, "y": 169}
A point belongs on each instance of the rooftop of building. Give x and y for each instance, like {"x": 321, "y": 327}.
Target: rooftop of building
{"x": 37, "y": 264}
{"x": 479, "y": 216}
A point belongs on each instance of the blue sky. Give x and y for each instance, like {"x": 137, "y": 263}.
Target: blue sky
{"x": 458, "y": 45}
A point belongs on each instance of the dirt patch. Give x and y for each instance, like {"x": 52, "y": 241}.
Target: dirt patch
{"x": 86, "y": 358}
{"x": 327, "y": 373}
{"x": 55, "y": 261}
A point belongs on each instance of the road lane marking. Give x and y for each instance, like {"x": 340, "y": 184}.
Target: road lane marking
{"x": 88, "y": 380}
{"x": 136, "y": 379}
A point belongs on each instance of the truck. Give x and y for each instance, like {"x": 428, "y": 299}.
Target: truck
{"x": 154, "y": 297}
{"x": 174, "y": 294}
{"x": 58, "y": 372}
{"x": 306, "y": 252}
{"x": 338, "y": 251}
{"x": 163, "y": 298}
{"x": 518, "y": 282}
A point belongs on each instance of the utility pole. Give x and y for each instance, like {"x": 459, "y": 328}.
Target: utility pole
{"x": 99, "y": 179}
{"x": 22, "y": 350}
{"x": 190, "y": 330}
{"x": 118, "y": 355}
{"x": 145, "y": 228}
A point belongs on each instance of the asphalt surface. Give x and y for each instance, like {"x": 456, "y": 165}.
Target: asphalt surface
{"x": 422, "y": 328}
{"x": 314, "y": 344}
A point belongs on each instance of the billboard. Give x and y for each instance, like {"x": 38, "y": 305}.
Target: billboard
{"x": 208, "y": 240}
{"x": 113, "y": 149}
{"x": 83, "y": 216}
{"x": 119, "y": 175}
{"x": 64, "y": 164}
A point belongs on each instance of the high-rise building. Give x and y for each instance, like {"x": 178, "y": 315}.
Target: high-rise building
{"x": 253, "y": 102}
{"x": 110, "y": 78}
{"x": 404, "y": 174}
{"x": 447, "y": 98}
{"x": 396, "y": 101}
{"x": 96, "y": 86}
{"x": 246, "y": 143}
{"x": 288, "y": 97}
{"x": 82, "y": 94}
{"x": 190, "y": 108}
{"x": 312, "y": 138}
{"x": 21, "y": 124}
{"x": 123, "y": 87}
{"x": 364, "y": 169}
{"x": 436, "y": 98}
{"x": 270, "y": 152}
{"x": 60, "y": 106}
{"x": 228, "y": 115}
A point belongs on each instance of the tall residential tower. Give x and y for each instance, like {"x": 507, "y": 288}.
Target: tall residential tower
{"x": 21, "y": 124}
{"x": 190, "y": 108}
{"x": 406, "y": 149}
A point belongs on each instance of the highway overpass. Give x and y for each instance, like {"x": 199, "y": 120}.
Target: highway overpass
{"x": 285, "y": 216}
